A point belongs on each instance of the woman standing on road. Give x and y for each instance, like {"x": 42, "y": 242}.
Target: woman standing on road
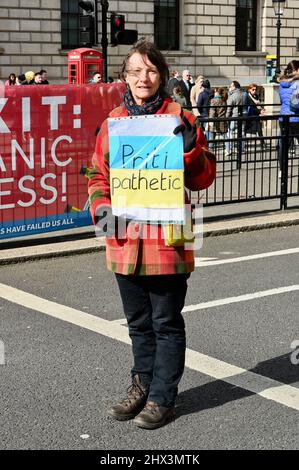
{"x": 152, "y": 278}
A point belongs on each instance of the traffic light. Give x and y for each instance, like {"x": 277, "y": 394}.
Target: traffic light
{"x": 117, "y": 28}
{"x": 87, "y": 23}
{"x": 120, "y": 35}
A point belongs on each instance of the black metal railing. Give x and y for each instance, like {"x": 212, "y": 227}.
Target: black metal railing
{"x": 257, "y": 159}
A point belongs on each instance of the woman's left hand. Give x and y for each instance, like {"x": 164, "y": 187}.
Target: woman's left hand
{"x": 189, "y": 133}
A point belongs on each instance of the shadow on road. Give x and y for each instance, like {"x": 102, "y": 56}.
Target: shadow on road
{"x": 218, "y": 393}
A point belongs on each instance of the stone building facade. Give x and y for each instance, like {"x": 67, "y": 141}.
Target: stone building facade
{"x": 30, "y": 37}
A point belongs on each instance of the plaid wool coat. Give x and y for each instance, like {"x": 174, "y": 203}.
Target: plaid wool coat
{"x": 138, "y": 254}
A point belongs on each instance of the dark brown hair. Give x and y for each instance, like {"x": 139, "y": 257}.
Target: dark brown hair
{"x": 148, "y": 49}
{"x": 12, "y": 78}
{"x": 252, "y": 85}
{"x": 178, "y": 91}
{"x": 291, "y": 67}
{"x": 236, "y": 84}
{"x": 222, "y": 93}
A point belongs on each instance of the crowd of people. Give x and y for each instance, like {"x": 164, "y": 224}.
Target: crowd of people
{"x": 220, "y": 102}
{"x": 41, "y": 78}
{"x": 208, "y": 103}
{"x": 28, "y": 78}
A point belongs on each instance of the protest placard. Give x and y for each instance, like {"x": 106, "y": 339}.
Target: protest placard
{"x": 146, "y": 168}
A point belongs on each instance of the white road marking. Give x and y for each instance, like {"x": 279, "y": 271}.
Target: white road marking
{"x": 119, "y": 321}
{"x": 65, "y": 313}
{"x": 258, "y": 384}
{"x": 290, "y": 251}
{"x": 264, "y": 386}
{"x": 201, "y": 260}
{"x": 241, "y": 298}
{"x": 230, "y": 300}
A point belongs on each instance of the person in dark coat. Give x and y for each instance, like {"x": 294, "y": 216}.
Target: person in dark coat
{"x": 44, "y": 75}
{"x": 236, "y": 101}
{"x": 21, "y": 79}
{"x": 173, "y": 82}
{"x": 254, "y": 108}
{"x": 203, "y": 101}
{"x": 186, "y": 84}
{"x": 38, "y": 79}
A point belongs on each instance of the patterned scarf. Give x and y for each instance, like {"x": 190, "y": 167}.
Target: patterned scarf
{"x": 151, "y": 106}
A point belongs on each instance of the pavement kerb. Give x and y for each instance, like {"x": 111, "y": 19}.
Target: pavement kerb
{"x": 90, "y": 245}
{"x": 251, "y": 223}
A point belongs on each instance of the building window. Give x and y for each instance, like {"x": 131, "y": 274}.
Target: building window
{"x": 246, "y": 18}
{"x": 69, "y": 24}
{"x": 166, "y": 21}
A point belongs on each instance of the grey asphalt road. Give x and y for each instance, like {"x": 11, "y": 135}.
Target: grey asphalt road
{"x": 58, "y": 379}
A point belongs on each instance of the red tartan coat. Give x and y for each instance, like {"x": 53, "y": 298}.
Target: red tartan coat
{"x": 138, "y": 254}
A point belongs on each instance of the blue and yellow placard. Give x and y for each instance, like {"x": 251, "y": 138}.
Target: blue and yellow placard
{"x": 146, "y": 168}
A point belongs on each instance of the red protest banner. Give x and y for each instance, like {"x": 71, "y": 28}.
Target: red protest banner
{"x": 47, "y": 138}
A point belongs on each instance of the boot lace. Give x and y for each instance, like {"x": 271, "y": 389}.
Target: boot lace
{"x": 151, "y": 407}
{"x": 134, "y": 392}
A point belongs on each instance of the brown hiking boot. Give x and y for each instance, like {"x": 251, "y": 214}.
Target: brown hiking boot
{"x": 133, "y": 404}
{"x": 154, "y": 416}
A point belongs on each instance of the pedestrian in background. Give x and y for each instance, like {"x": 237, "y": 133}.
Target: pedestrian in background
{"x": 152, "y": 277}
{"x": 203, "y": 102}
{"x": 288, "y": 90}
{"x": 179, "y": 97}
{"x": 195, "y": 91}
{"x": 38, "y": 79}
{"x": 186, "y": 84}
{"x": 44, "y": 74}
{"x": 29, "y": 76}
{"x": 12, "y": 80}
{"x": 21, "y": 79}
{"x": 173, "y": 81}
{"x": 96, "y": 78}
{"x": 217, "y": 110}
{"x": 254, "y": 109}
{"x": 236, "y": 102}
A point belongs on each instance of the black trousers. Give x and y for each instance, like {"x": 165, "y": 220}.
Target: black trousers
{"x": 293, "y": 132}
{"x": 153, "y": 305}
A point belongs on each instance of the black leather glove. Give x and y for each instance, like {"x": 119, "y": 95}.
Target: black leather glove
{"x": 189, "y": 134}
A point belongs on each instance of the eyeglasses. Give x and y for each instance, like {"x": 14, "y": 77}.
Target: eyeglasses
{"x": 152, "y": 73}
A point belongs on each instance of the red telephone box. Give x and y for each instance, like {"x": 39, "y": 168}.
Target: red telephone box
{"x": 82, "y": 64}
